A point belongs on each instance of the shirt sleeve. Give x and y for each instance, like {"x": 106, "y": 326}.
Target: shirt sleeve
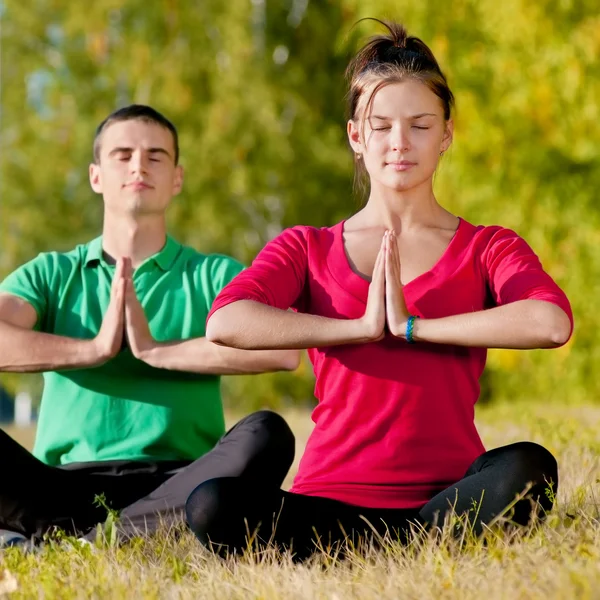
{"x": 276, "y": 276}
{"x": 514, "y": 272}
{"x": 219, "y": 271}
{"x": 31, "y": 283}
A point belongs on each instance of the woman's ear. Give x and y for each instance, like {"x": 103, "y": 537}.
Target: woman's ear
{"x": 354, "y": 137}
{"x": 448, "y": 136}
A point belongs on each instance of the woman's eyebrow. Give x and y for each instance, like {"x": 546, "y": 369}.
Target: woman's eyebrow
{"x": 420, "y": 115}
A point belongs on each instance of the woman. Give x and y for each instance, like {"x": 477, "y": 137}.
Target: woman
{"x": 396, "y": 306}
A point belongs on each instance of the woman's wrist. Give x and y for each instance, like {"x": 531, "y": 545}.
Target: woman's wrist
{"x": 407, "y": 330}
{"x": 409, "y": 333}
{"x": 363, "y": 331}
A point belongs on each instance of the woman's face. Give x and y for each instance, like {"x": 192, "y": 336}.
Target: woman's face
{"x": 404, "y": 134}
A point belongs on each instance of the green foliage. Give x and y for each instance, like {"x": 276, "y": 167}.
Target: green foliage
{"x": 107, "y": 532}
{"x": 257, "y": 92}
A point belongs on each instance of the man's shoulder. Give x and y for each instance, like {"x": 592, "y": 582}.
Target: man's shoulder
{"x": 196, "y": 260}
{"x": 209, "y": 271}
{"x": 43, "y": 276}
{"x": 58, "y": 260}
{"x": 77, "y": 253}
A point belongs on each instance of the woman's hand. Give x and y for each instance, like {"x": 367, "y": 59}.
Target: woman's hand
{"x": 373, "y": 320}
{"x": 395, "y": 306}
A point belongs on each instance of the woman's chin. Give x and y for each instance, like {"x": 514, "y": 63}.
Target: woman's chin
{"x": 401, "y": 182}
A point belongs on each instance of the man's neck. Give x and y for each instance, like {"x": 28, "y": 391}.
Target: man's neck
{"x": 137, "y": 239}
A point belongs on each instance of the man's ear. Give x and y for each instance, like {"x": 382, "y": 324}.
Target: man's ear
{"x": 178, "y": 180}
{"x": 95, "y": 179}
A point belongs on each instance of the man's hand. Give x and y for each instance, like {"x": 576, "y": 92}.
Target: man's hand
{"x": 110, "y": 337}
{"x": 374, "y": 317}
{"x": 395, "y": 306}
{"x": 137, "y": 329}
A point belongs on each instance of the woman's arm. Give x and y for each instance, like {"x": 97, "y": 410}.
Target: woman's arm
{"x": 525, "y": 324}
{"x": 531, "y": 312}
{"x": 252, "y": 313}
{"x": 251, "y": 325}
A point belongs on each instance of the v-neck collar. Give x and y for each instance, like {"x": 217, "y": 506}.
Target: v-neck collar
{"x": 358, "y": 286}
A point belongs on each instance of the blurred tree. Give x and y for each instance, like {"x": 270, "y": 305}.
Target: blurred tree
{"x": 256, "y": 90}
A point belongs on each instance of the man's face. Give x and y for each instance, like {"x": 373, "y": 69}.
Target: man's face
{"x": 136, "y": 172}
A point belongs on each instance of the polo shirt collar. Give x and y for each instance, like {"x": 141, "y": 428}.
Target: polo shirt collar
{"x": 164, "y": 258}
{"x": 94, "y": 251}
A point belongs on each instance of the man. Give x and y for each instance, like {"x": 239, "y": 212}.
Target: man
{"x": 131, "y": 415}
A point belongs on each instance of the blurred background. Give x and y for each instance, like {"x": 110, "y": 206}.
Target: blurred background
{"x": 256, "y": 89}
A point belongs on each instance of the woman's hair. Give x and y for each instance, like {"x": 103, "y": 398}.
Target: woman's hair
{"x": 391, "y": 58}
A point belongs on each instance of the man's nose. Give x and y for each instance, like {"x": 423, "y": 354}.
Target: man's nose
{"x": 138, "y": 163}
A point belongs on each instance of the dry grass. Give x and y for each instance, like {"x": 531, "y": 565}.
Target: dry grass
{"x": 560, "y": 559}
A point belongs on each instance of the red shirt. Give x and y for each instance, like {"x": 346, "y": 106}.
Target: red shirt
{"x": 395, "y": 421}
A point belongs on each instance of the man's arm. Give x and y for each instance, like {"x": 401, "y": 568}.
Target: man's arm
{"x": 23, "y": 350}
{"x": 197, "y": 355}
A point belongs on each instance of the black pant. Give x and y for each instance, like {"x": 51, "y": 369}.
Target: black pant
{"x": 35, "y": 497}
{"x": 227, "y": 512}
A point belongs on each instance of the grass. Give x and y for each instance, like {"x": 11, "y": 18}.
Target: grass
{"x": 558, "y": 559}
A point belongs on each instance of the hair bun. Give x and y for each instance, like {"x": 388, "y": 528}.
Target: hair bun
{"x": 395, "y": 55}
{"x": 398, "y": 34}
{"x": 392, "y": 48}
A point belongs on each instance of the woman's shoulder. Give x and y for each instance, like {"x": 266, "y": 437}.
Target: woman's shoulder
{"x": 495, "y": 244}
{"x": 310, "y": 234}
{"x": 486, "y": 236}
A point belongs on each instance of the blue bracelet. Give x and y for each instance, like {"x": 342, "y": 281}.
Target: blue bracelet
{"x": 409, "y": 328}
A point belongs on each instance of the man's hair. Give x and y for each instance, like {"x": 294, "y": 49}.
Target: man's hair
{"x": 138, "y": 112}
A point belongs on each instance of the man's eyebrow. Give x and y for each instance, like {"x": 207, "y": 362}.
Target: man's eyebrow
{"x": 119, "y": 150}
{"x": 124, "y": 149}
{"x": 159, "y": 151}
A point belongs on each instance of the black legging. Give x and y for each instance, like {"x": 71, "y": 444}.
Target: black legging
{"x": 36, "y": 498}
{"x": 226, "y": 512}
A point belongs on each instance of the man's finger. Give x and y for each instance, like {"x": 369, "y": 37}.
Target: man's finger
{"x": 130, "y": 297}
{"x": 120, "y": 301}
{"x": 116, "y": 278}
{"x": 120, "y": 291}
{"x": 127, "y": 267}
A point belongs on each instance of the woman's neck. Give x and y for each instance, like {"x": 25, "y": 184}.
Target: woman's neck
{"x": 404, "y": 210}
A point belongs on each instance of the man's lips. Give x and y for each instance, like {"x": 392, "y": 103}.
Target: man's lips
{"x": 138, "y": 185}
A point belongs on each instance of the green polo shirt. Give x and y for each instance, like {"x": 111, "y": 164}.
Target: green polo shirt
{"x": 125, "y": 409}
